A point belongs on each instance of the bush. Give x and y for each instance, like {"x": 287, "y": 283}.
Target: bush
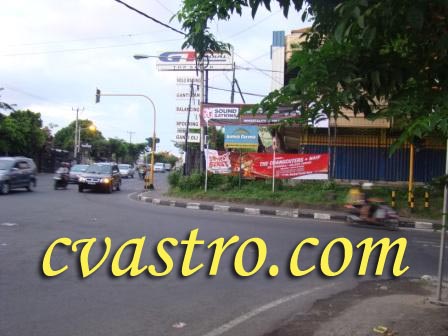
{"x": 192, "y": 182}
{"x": 174, "y": 177}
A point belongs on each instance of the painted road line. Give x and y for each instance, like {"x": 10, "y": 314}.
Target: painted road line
{"x": 245, "y": 317}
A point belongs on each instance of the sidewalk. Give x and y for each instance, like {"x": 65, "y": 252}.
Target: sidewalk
{"x": 158, "y": 197}
{"x": 391, "y": 307}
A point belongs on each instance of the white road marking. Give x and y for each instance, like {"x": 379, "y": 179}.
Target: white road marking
{"x": 243, "y": 318}
{"x": 8, "y": 224}
{"x": 4, "y": 244}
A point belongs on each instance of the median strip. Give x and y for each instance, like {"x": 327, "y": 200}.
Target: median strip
{"x": 288, "y": 213}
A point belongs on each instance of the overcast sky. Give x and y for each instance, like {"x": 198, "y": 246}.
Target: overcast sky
{"x": 54, "y": 54}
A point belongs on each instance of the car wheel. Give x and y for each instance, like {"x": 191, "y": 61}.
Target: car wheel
{"x": 31, "y": 186}
{"x": 80, "y": 188}
{"x": 5, "y": 188}
{"x": 110, "y": 188}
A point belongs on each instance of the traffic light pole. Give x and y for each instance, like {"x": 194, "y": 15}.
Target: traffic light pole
{"x": 99, "y": 95}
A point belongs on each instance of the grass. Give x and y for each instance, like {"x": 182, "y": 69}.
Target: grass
{"x": 321, "y": 195}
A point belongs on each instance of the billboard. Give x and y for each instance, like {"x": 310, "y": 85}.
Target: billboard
{"x": 183, "y": 93}
{"x": 261, "y": 165}
{"x": 186, "y": 61}
{"x": 230, "y": 114}
{"x": 241, "y": 137}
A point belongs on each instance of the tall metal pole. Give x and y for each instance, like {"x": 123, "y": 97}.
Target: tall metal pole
{"x": 411, "y": 177}
{"x": 201, "y": 65}
{"x": 151, "y": 183}
{"x": 443, "y": 232}
{"x": 75, "y": 149}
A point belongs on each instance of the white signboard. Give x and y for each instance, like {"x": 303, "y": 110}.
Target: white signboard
{"x": 221, "y": 113}
{"x": 183, "y": 93}
{"x": 186, "y": 61}
{"x": 192, "y": 137}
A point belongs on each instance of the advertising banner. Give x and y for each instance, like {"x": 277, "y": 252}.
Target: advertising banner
{"x": 185, "y": 104}
{"x": 229, "y": 114}
{"x": 186, "y": 61}
{"x": 218, "y": 163}
{"x": 241, "y": 137}
{"x": 287, "y": 166}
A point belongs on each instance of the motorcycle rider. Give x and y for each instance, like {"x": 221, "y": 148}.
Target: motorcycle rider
{"x": 369, "y": 205}
{"x": 64, "y": 170}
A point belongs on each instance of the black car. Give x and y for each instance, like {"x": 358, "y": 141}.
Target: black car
{"x": 76, "y": 171}
{"x": 100, "y": 176}
{"x": 17, "y": 172}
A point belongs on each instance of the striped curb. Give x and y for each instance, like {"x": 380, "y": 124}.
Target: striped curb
{"x": 289, "y": 213}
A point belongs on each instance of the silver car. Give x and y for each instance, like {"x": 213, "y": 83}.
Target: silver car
{"x": 126, "y": 170}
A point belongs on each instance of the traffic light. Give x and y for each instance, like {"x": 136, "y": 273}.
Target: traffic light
{"x": 98, "y": 95}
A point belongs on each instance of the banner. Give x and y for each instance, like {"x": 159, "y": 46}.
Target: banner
{"x": 218, "y": 163}
{"x": 229, "y": 114}
{"x": 260, "y": 165}
{"x": 241, "y": 137}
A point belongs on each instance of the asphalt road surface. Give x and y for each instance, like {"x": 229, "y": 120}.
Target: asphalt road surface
{"x": 225, "y": 304}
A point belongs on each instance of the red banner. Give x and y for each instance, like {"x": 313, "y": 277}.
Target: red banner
{"x": 263, "y": 165}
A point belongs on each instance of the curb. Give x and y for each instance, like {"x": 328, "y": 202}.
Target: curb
{"x": 288, "y": 213}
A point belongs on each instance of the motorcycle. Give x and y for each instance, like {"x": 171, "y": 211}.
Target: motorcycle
{"x": 382, "y": 215}
{"x": 60, "y": 180}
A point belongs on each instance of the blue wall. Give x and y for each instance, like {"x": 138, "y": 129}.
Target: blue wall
{"x": 375, "y": 164}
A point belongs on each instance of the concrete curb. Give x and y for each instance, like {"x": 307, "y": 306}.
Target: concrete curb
{"x": 289, "y": 213}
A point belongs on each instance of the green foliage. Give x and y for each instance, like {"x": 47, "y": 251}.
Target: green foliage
{"x": 385, "y": 58}
{"x": 193, "y": 182}
{"x": 21, "y": 133}
{"x": 174, "y": 178}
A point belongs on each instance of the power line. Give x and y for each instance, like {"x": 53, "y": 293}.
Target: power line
{"x": 150, "y": 17}
{"x": 83, "y": 39}
{"x": 86, "y": 49}
{"x": 221, "y": 89}
{"x": 161, "y": 4}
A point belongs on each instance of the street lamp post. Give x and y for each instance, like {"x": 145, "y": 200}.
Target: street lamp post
{"x": 99, "y": 94}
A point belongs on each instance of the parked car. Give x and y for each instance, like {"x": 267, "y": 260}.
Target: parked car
{"x": 159, "y": 167}
{"x": 100, "y": 176}
{"x": 17, "y": 172}
{"x": 167, "y": 166}
{"x": 126, "y": 170}
{"x": 76, "y": 171}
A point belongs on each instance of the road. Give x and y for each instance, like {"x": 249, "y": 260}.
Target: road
{"x": 224, "y": 304}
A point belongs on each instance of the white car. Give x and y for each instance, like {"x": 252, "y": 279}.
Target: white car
{"x": 167, "y": 166}
{"x": 159, "y": 167}
{"x": 126, "y": 170}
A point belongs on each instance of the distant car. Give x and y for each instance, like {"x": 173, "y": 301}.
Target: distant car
{"x": 126, "y": 170}
{"x": 100, "y": 176}
{"x": 167, "y": 166}
{"x": 159, "y": 167}
{"x": 17, "y": 172}
{"x": 76, "y": 171}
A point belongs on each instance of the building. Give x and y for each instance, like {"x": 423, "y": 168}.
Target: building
{"x": 358, "y": 148}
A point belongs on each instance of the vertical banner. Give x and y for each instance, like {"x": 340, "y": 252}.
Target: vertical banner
{"x": 183, "y": 98}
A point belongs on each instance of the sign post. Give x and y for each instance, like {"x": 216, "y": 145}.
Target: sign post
{"x": 274, "y": 148}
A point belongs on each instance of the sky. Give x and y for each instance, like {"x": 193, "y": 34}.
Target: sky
{"x": 54, "y": 54}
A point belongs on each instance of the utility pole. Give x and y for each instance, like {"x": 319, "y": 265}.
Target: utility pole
{"x": 77, "y": 131}
{"x": 232, "y": 95}
{"x": 130, "y": 136}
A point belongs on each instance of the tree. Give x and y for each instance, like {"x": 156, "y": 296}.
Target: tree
{"x": 65, "y": 137}
{"x": 383, "y": 58}
{"x": 21, "y": 133}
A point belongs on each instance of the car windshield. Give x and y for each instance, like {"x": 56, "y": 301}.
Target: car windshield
{"x": 79, "y": 168}
{"x": 123, "y": 166}
{"x": 98, "y": 169}
{"x": 158, "y": 165}
{"x": 5, "y": 164}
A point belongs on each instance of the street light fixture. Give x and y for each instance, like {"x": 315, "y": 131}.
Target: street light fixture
{"x": 99, "y": 94}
